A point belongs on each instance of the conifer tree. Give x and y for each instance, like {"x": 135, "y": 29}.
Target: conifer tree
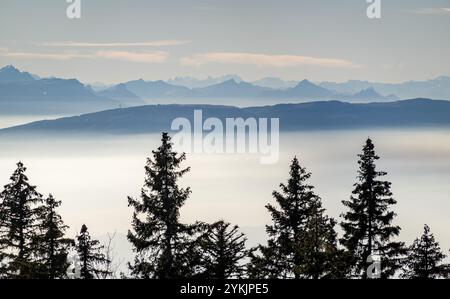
{"x": 321, "y": 256}
{"x": 425, "y": 258}
{"x": 302, "y": 240}
{"x": 164, "y": 247}
{"x": 18, "y": 226}
{"x": 368, "y": 224}
{"x": 92, "y": 260}
{"x": 223, "y": 252}
{"x": 51, "y": 246}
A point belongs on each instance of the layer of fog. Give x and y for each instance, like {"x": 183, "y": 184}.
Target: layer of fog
{"x": 94, "y": 176}
{"x": 7, "y": 121}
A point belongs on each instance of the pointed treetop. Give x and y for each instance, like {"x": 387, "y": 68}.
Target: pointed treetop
{"x": 426, "y": 229}
{"x": 84, "y": 228}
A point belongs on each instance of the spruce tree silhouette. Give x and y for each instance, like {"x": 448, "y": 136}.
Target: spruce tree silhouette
{"x": 92, "y": 260}
{"x": 165, "y": 248}
{"x": 302, "y": 241}
{"x": 367, "y": 225}
{"x": 18, "y": 226}
{"x": 51, "y": 246}
{"x": 321, "y": 257}
{"x": 223, "y": 252}
{"x": 425, "y": 258}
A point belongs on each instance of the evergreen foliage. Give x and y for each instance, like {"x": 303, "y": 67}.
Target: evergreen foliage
{"x": 302, "y": 241}
{"x": 223, "y": 252}
{"x": 425, "y": 258}
{"x": 19, "y": 206}
{"x": 92, "y": 260}
{"x": 165, "y": 248}
{"x": 368, "y": 223}
{"x": 51, "y": 246}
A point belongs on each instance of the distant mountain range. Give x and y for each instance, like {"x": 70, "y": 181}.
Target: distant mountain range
{"x": 438, "y": 88}
{"x": 24, "y": 93}
{"x": 231, "y": 89}
{"x": 293, "y": 117}
{"x": 191, "y": 82}
{"x": 275, "y": 83}
{"x": 10, "y": 74}
{"x": 304, "y": 90}
{"x": 156, "y": 89}
{"x": 121, "y": 93}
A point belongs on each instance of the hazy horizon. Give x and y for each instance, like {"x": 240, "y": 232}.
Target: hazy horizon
{"x": 319, "y": 40}
{"x": 99, "y": 81}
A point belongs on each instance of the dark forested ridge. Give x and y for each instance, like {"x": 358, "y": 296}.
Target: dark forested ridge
{"x": 293, "y": 117}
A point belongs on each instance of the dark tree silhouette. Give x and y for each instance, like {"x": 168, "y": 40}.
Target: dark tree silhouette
{"x": 367, "y": 225}
{"x": 92, "y": 260}
{"x": 18, "y": 226}
{"x": 51, "y": 246}
{"x": 164, "y": 247}
{"x": 321, "y": 256}
{"x": 302, "y": 241}
{"x": 223, "y": 252}
{"x": 425, "y": 258}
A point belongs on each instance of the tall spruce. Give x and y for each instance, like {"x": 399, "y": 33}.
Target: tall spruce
{"x": 19, "y": 205}
{"x": 52, "y": 247}
{"x": 164, "y": 247}
{"x": 302, "y": 241}
{"x": 92, "y": 262}
{"x": 425, "y": 258}
{"x": 368, "y": 224}
{"x": 223, "y": 252}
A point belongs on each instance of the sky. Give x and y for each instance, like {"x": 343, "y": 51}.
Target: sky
{"x": 320, "y": 40}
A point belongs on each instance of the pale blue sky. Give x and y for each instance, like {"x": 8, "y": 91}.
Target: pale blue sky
{"x": 293, "y": 39}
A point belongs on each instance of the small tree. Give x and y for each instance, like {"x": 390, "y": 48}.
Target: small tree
{"x": 51, "y": 246}
{"x": 223, "y": 251}
{"x": 19, "y": 204}
{"x": 367, "y": 225}
{"x": 92, "y": 260}
{"x": 164, "y": 247}
{"x": 321, "y": 256}
{"x": 425, "y": 258}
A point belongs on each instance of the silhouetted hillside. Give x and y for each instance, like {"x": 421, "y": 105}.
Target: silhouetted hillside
{"x": 306, "y": 116}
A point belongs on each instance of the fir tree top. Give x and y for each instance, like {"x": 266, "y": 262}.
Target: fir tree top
{"x": 294, "y": 200}
{"x": 93, "y": 261}
{"x": 425, "y": 258}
